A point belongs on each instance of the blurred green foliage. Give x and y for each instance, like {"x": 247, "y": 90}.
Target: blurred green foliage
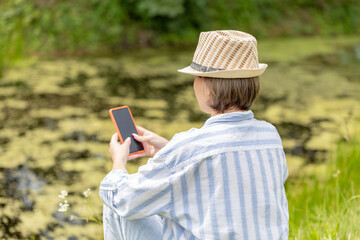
{"x": 97, "y": 26}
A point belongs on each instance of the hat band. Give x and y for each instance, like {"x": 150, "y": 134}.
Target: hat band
{"x": 200, "y": 68}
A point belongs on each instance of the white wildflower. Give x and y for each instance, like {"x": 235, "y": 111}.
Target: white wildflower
{"x": 63, "y": 206}
{"x": 87, "y": 192}
{"x": 336, "y": 174}
{"x": 63, "y": 194}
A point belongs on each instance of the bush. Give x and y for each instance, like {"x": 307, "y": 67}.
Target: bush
{"x": 92, "y": 26}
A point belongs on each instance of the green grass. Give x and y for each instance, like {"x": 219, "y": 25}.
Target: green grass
{"x": 327, "y": 205}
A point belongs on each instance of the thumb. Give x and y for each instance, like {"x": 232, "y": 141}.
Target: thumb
{"x": 127, "y": 142}
{"x": 126, "y": 146}
{"x": 114, "y": 138}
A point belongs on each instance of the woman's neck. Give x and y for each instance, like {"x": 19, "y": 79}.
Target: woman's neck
{"x": 214, "y": 113}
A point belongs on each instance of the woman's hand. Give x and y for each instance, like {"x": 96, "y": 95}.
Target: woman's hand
{"x": 151, "y": 141}
{"x": 119, "y": 152}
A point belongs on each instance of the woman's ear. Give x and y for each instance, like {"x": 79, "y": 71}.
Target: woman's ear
{"x": 207, "y": 92}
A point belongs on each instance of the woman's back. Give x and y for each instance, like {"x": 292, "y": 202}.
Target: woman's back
{"x": 227, "y": 181}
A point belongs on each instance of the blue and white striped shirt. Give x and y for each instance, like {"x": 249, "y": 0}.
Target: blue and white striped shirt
{"x": 222, "y": 181}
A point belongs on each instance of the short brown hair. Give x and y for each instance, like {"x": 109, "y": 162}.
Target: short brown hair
{"x": 232, "y": 93}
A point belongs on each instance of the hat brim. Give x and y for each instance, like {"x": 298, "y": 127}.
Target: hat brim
{"x": 238, "y": 73}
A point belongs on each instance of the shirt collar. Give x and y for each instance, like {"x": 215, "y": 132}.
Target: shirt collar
{"x": 229, "y": 117}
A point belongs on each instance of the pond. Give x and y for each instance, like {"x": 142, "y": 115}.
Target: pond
{"x": 55, "y": 127}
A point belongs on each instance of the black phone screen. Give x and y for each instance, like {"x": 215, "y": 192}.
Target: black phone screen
{"x": 126, "y": 126}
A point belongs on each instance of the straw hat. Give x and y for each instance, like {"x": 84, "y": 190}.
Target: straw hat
{"x": 225, "y": 54}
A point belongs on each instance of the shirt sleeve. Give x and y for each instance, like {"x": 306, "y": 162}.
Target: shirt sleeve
{"x": 138, "y": 195}
{"x": 284, "y": 167}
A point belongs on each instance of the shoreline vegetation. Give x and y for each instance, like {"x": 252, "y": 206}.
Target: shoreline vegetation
{"x": 85, "y": 28}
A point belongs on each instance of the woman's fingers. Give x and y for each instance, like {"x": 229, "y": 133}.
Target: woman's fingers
{"x": 131, "y": 157}
{"x": 114, "y": 138}
{"x": 126, "y": 146}
{"x": 114, "y": 144}
{"x": 141, "y": 130}
{"x": 141, "y": 138}
{"x": 127, "y": 143}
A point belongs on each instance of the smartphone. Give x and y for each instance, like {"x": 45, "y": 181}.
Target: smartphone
{"x": 125, "y": 126}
